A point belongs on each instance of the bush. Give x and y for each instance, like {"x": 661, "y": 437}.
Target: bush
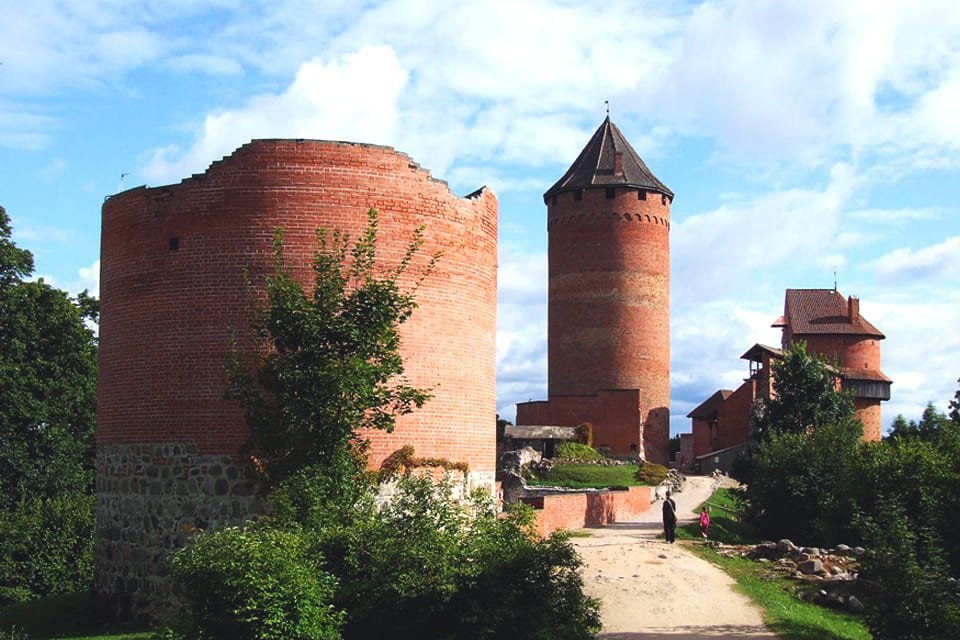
{"x": 651, "y": 474}
{"x": 254, "y": 583}
{"x": 47, "y": 547}
{"x": 429, "y": 566}
{"x": 577, "y": 451}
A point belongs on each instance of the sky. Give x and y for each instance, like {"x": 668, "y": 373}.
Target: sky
{"x": 801, "y": 138}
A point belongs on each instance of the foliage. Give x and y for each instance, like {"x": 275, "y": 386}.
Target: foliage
{"x": 254, "y": 583}
{"x": 72, "y": 616}
{"x": 802, "y": 485}
{"x": 47, "y": 546}
{"x": 587, "y": 476}
{"x": 786, "y": 614}
{"x": 48, "y": 377}
{"x": 427, "y": 565}
{"x": 905, "y": 576}
{"x": 577, "y": 451}
{"x": 931, "y": 423}
{"x": 403, "y": 460}
{"x": 331, "y": 362}
{"x": 651, "y": 473}
{"x": 806, "y": 396}
{"x": 502, "y": 424}
{"x": 584, "y": 433}
{"x": 955, "y": 406}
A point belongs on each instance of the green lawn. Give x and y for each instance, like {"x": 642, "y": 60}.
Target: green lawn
{"x": 588, "y": 476}
{"x": 66, "y": 617}
{"x": 785, "y": 611}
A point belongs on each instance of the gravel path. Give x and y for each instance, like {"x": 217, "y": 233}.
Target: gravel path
{"x": 651, "y": 590}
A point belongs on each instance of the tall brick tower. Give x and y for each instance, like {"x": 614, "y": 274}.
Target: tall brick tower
{"x": 608, "y": 223}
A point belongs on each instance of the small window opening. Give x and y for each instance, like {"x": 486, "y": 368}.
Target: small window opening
{"x": 611, "y": 193}
{"x": 578, "y": 195}
{"x": 174, "y": 244}
{"x": 641, "y": 195}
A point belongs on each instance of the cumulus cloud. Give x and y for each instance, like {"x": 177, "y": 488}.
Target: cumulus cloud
{"x": 521, "y": 330}
{"x": 350, "y": 98}
{"x": 940, "y": 261}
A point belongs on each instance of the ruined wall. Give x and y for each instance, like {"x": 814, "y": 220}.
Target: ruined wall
{"x": 175, "y": 267}
{"x": 609, "y": 300}
{"x": 733, "y": 416}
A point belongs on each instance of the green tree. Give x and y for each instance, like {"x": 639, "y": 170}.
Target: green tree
{"x": 932, "y": 423}
{"x": 331, "y": 362}
{"x": 955, "y": 406}
{"x": 48, "y": 377}
{"x": 806, "y": 395}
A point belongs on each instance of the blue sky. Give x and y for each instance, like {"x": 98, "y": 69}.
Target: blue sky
{"x": 799, "y": 137}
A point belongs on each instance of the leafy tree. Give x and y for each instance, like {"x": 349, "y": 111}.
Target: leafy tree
{"x": 806, "y": 395}
{"x": 330, "y": 362}
{"x": 955, "y": 406}
{"x": 48, "y": 376}
{"x": 931, "y": 424}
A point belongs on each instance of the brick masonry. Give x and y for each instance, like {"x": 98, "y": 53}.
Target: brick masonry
{"x": 587, "y": 509}
{"x": 177, "y": 265}
{"x": 609, "y": 316}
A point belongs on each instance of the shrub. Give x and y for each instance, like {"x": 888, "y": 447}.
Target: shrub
{"x": 430, "y": 566}
{"x": 651, "y": 473}
{"x": 254, "y": 583}
{"x": 577, "y": 451}
{"x": 47, "y": 547}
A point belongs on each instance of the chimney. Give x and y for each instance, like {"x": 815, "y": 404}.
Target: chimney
{"x": 617, "y": 163}
{"x": 853, "y": 309}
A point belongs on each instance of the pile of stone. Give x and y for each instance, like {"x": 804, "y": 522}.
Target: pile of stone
{"x": 834, "y": 569}
{"x": 674, "y": 481}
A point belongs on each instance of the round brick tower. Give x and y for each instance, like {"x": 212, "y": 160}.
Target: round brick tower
{"x": 175, "y": 266}
{"x": 608, "y": 222}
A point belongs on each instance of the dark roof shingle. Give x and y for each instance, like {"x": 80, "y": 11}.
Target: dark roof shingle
{"x": 597, "y": 166}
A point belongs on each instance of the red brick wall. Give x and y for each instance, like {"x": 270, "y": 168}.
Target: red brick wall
{"x": 579, "y": 510}
{"x": 701, "y": 437}
{"x": 685, "y": 457}
{"x": 167, "y": 315}
{"x": 609, "y": 301}
{"x": 869, "y": 413}
{"x": 856, "y": 352}
{"x": 615, "y": 416}
{"x": 733, "y": 416}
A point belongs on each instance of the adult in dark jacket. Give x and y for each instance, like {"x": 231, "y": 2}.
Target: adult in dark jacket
{"x": 669, "y": 518}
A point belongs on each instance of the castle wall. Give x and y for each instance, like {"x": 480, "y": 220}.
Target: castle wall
{"x": 868, "y": 411}
{"x": 609, "y": 301}
{"x": 175, "y": 266}
{"x": 733, "y": 416}
{"x": 855, "y": 352}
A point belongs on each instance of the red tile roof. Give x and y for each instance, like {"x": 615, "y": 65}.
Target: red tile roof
{"x": 823, "y": 311}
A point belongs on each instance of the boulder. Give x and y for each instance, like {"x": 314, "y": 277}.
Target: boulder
{"x": 811, "y": 567}
{"x": 514, "y": 461}
{"x": 786, "y": 546}
{"x": 854, "y": 604}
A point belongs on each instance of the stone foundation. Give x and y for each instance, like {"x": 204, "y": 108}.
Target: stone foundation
{"x": 150, "y": 499}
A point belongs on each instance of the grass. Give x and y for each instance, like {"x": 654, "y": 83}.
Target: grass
{"x": 63, "y": 617}
{"x": 588, "y": 476}
{"x": 785, "y": 611}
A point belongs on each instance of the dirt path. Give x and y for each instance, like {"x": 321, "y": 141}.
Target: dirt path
{"x": 651, "y": 590}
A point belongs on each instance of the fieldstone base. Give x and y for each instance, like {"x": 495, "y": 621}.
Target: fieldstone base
{"x": 150, "y": 499}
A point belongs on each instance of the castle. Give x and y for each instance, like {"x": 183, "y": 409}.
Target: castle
{"x": 608, "y": 335}
{"x": 832, "y": 327}
{"x": 177, "y": 264}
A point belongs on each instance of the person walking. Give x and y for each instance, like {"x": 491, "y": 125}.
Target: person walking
{"x": 669, "y": 519}
{"x": 704, "y": 522}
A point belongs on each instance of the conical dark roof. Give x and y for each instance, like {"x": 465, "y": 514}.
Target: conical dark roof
{"x": 597, "y": 165}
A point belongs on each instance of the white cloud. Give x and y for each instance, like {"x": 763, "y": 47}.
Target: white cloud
{"x": 521, "y": 330}
{"x": 351, "y": 98}
{"x": 937, "y": 262}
